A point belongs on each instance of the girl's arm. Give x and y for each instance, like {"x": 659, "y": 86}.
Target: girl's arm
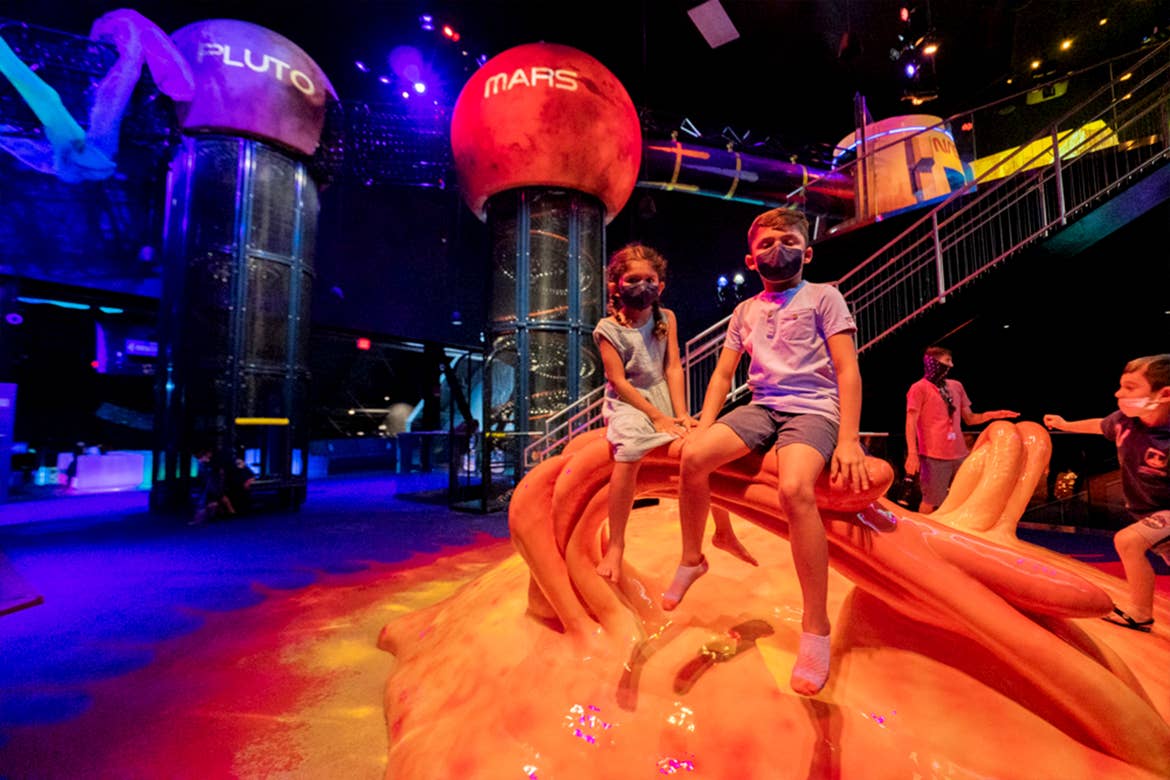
{"x": 615, "y": 374}
{"x": 675, "y": 380}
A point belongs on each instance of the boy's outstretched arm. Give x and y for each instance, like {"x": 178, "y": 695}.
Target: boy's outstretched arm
{"x": 848, "y": 458}
{"x": 1090, "y": 425}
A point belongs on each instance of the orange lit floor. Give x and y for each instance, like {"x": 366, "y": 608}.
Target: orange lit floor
{"x": 248, "y": 648}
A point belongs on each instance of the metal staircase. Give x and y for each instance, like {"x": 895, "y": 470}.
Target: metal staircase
{"x": 1110, "y": 149}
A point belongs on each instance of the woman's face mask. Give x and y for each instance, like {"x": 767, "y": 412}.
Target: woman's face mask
{"x": 638, "y": 295}
{"x": 780, "y": 263}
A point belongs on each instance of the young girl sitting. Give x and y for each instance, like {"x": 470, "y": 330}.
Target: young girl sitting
{"x": 644, "y": 403}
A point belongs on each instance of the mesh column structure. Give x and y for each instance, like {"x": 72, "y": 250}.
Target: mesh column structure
{"x": 240, "y": 238}
{"x": 239, "y": 246}
{"x": 547, "y": 294}
{"x": 547, "y": 146}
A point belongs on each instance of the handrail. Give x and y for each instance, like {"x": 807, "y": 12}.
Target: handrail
{"x": 1074, "y": 162}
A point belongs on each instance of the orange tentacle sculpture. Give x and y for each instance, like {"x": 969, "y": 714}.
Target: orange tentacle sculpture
{"x": 956, "y": 579}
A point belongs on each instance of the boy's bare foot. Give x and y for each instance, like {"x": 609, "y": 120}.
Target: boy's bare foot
{"x": 684, "y": 577}
{"x": 611, "y": 564}
{"x": 811, "y": 671}
{"x": 731, "y": 543}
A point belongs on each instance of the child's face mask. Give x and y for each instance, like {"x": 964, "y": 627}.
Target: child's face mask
{"x": 638, "y": 295}
{"x": 934, "y": 369}
{"x": 1135, "y": 407}
{"x": 780, "y": 263}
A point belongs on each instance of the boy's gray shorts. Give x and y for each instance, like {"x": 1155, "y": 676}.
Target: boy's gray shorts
{"x": 761, "y": 428}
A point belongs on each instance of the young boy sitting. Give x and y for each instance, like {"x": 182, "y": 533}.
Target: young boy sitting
{"x": 806, "y": 403}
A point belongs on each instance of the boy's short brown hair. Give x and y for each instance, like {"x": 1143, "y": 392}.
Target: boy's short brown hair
{"x": 781, "y": 218}
{"x": 1155, "y": 367}
{"x": 937, "y": 352}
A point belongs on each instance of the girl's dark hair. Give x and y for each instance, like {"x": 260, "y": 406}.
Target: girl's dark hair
{"x": 619, "y": 263}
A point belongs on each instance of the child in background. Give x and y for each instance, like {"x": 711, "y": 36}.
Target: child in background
{"x": 1141, "y": 430}
{"x": 645, "y": 405}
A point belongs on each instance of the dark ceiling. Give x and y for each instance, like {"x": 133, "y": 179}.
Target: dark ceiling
{"x": 790, "y": 77}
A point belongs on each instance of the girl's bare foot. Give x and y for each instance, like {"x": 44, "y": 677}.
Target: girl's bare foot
{"x": 811, "y": 671}
{"x": 684, "y": 577}
{"x": 731, "y": 543}
{"x": 611, "y": 564}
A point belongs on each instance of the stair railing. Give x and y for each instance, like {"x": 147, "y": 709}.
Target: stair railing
{"x": 1091, "y": 153}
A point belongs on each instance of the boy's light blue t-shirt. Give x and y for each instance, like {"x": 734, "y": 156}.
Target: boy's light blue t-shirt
{"x": 786, "y": 336}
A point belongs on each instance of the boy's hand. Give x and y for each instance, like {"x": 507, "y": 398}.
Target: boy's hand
{"x": 848, "y": 466}
{"x": 1054, "y": 421}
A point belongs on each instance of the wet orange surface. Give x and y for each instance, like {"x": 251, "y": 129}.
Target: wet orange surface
{"x": 958, "y": 650}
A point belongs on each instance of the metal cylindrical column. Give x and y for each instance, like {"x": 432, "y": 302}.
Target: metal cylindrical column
{"x": 547, "y": 294}
{"x": 239, "y": 244}
{"x": 239, "y": 241}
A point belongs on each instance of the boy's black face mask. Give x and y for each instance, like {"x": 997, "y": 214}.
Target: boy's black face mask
{"x": 780, "y": 263}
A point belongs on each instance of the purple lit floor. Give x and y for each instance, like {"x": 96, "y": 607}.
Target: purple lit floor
{"x": 236, "y": 649}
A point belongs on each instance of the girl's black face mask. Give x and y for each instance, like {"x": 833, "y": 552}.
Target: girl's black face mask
{"x": 638, "y": 295}
{"x": 780, "y": 263}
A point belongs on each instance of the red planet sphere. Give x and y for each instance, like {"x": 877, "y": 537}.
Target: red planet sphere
{"x": 546, "y": 115}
